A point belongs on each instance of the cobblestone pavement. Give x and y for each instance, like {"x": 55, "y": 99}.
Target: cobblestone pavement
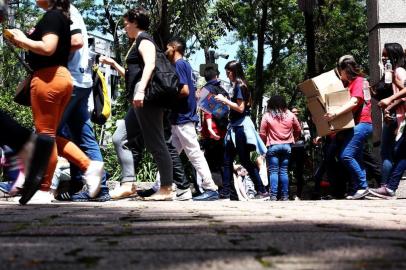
{"x": 204, "y": 235}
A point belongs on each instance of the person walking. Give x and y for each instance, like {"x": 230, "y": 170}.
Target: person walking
{"x": 75, "y": 123}
{"x": 145, "y": 119}
{"x": 351, "y": 142}
{"x": 48, "y": 48}
{"x": 241, "y": 137}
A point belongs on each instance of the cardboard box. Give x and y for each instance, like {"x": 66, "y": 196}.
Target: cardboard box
{"x": 321, "y": 85}
{"x": 324, "y": 93}
{"x": 333, "y": 102}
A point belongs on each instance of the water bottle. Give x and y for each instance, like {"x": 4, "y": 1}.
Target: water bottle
{"x": 388, "y": 72}
{"x": 365, "y": 89}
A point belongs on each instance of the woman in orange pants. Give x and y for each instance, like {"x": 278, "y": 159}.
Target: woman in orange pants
{"x": 51, "y": 88}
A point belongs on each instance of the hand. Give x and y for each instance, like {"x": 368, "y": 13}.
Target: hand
{"x": 317, "y": 140}
{"x": 138, "y": 100}
{"x": 385, "y": 102}
{"x": 221, "y": 98}
{"x": 19, "y": 38}
{"x": 387, "y": 117}
{"x": 106, "y": 60}
{"x": 214, "y": 136}
{"x": 330, "y": 116}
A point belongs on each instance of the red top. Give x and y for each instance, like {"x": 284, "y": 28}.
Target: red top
{"x": 205, "y": 132}
{"x": 362, "y": 113}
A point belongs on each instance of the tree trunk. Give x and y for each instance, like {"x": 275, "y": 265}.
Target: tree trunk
{"x": 162, "y": 33}
{"x": 259, "y": 76}
{"x": 112, "y": 29}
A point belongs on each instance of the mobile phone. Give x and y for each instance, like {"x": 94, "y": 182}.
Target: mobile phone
{"x": 8, "y": 34}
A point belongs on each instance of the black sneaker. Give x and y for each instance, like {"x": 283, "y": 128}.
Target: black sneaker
{"x": 43, "y": 146}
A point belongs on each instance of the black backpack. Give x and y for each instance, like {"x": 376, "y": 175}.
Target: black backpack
{"x": 163, "y": 88}
{"x": 221, "y": 122}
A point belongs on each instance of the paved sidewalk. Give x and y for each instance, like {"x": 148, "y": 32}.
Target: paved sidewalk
{"x": 204, "y": 235}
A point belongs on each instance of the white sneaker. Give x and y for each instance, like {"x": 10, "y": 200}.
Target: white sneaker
{"x": 182, "y": 195}
{"x": 42, "y": 197}
{"x": 93, "y": 177}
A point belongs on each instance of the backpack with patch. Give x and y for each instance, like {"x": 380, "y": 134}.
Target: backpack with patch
{"x": 163, "y": 88}
{"x": 101, "y": 100}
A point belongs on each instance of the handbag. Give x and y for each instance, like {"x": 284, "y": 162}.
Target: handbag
{"x": 22, "y": 94}
{"x": 23, "y": 91}
{"x": 381, "y": 90}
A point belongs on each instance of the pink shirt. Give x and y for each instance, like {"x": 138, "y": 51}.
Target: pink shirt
{"x": 279, "y": 130}
{"x": 400, "y": 74}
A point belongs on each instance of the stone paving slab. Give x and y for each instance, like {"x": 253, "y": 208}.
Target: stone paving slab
{"x": 204, "y": 235}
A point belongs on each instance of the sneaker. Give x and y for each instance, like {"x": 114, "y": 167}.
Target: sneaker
{"x": 296, "y": 198}
{"x": 208, "y": 195}
{"x": 84, "y": 196}
{"x": 285, "y": 199}
{"x": 383, "y": 193}
{"x": 358, "y": 195}
{"x": 183, "y": 195}
{"x": 38, "y": 163}
{"x": 93, "y": 177}
{"x": 63, "y": 197}
{"x": 261, "y": 196}
{"x": 42, "y": 197}
{"x": 273, "y": 198}
{"x": 5, "y": 187}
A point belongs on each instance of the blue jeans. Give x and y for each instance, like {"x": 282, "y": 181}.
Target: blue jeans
{"x": 351, "y": 153}
{"x": 387, "y": 147}
{"x": 241, "y": 148}
{"x": 278, "y": 159}
{"x": 399, "y": 165}
{"x": 75, "y": 125}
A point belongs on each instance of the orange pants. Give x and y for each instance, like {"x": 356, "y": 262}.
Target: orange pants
{"x": 51, "y": 89}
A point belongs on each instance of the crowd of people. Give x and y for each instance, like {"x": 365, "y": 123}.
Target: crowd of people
{"x": 61, "y": 85}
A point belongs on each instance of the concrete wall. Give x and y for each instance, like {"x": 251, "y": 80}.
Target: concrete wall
{"x": 386, "y": 23}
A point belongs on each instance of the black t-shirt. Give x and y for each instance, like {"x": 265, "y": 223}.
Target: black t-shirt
{"x": 55, "y": 22}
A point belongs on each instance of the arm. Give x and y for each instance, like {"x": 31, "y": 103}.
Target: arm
{"x": 213, "y": 134}
{"x": 347, "y": 107}
{"x": 297, "y": 130}
{"x": 148, "y": 53}
{"x": 238, "y": 106}
{"x": 76, "y": 42}
{"x": 387, "y": 101}
{"x": 184, "y": 91}
{"x": 46, "y": 46}
{"x": 109, "y": 61}
{"x": 263, "y": 128}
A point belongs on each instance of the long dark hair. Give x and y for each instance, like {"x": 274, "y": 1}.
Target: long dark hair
{"x": 62, "y": 5}
{"x": 396, "y": 54}
{"x": 236, "y": 69}
{"x": 348, "y": 64}
{"x": 277, "y": 106}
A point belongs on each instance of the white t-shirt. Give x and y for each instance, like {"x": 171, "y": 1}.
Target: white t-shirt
{"x": 78, "y": 64}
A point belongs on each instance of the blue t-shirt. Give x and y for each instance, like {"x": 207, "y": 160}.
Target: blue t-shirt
{"x": 185, "y": 109}
{"x": 238, "y": 94}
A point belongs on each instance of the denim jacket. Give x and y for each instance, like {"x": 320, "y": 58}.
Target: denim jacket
{"x": 250, "y": 132}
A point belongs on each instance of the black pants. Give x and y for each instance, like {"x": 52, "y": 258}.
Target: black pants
{"x": 297, "y": 156}
{"x": 12, "y": 133}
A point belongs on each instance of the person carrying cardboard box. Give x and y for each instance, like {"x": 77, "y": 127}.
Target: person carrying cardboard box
{"x": 351, "y": 141}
